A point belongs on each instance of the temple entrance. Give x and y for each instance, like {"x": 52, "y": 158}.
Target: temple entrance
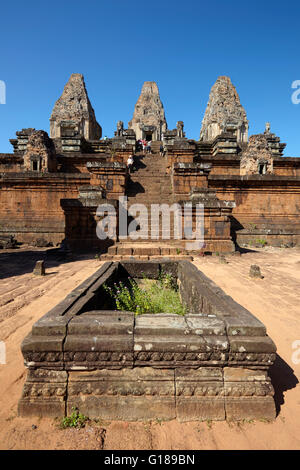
{"x": 148, "y": 136}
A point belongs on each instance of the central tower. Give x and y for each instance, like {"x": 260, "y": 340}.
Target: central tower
{"x": 149, "y": 121}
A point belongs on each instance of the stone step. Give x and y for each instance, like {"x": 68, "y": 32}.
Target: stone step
{"x": 137, "y": 177}
{"x": 149, "y": 199}
{"x": 107, "y": 257}
{"x": 150, "y": 250}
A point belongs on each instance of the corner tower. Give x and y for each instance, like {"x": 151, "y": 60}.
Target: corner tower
{"x": 224, "y": 113}
{"x": 73, "y": 113}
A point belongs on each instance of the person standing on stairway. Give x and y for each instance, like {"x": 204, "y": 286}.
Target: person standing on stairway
{"x": 130, "y": 163}
{"x": 149, "y": 146}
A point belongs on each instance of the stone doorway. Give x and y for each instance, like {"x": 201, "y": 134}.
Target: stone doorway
{"x": 148, "y": 136}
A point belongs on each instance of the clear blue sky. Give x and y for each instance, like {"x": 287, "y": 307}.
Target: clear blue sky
{"x": 182, "y": 45}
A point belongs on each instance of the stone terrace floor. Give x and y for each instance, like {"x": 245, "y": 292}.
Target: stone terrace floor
{"x": 275, "y": 300}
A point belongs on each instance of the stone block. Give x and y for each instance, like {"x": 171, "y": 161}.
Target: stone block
{"x": 149, "y": 251}
{"x": 248, "y": 394}
{"x": 250, "y": 408}
{"x": 200, "y": 325}
{"x": 128, "y": 395}
{"x": 39, "y": 269}
{"x": 255, "y": 271}
{"x": 200, "y": 408}
{"x": 97, "y": 339}
{"x": 167, "y": 339}
{"x": 44, "y": 394}
{"x": 136, "y": 269}
{"x": 199, "y": 394}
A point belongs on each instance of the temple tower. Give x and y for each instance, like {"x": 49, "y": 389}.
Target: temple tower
{"x": 224, "y": 113}
{"x": 149, "y": 121}
{"x": 73, "y": 113}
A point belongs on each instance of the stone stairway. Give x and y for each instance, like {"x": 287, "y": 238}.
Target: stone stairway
{"x": 149, "y": 184}
{"x": 155, "y": 146}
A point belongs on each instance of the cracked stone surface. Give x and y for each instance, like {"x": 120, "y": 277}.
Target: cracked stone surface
{"x": 224, "y": 112}
{"x": 257, "y": 153}
{"x": 74, "y": 105}
{"x": 149, "y": 114}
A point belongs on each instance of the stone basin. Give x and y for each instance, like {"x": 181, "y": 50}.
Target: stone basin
{"x": 211, "y": 363}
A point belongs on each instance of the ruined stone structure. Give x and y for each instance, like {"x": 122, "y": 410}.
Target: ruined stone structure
{"x": 40, "y": 153}
{"x": 73, "y": 114}
{"x": 224, "y": 113}
{"x": 210, "y": 364}
{"x": 149, "y": 120}
{"x": 257, "y": 158}
{"x": 51, "y": 186}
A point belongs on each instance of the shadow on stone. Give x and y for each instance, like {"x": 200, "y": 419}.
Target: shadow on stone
{"x": 283, "y": 379}
{"x": 17, "y": 263}
{"x": 138, "y": 163}
{"x": 134, "y": 188}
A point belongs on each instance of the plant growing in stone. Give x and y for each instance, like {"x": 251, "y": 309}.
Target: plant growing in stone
{"x": 158, "y": 297}
{"x": 261, "y": 242}
{"x": 76, "y": 420}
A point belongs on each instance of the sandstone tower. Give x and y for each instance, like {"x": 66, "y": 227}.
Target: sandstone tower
{"x": 149, "y": 120}
{"x": 224, "y": 113}
{"x": 73, "y": 113}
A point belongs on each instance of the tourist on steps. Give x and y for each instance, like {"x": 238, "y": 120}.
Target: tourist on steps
{"x": 130, "y": 163}
{"x": 149, "y": 147}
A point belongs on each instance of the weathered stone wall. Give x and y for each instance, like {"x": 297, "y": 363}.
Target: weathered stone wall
{"x": 186, "y": 176}
{"x": 267, "y": 207}
{"x": 10, "y": 163}
{"x": 111, "y": 176}
{"x": 113, "y": 365}
{"x": 257, "y": 154}
{"x": 30, "y": 206}
{"x": 40, "y": 154}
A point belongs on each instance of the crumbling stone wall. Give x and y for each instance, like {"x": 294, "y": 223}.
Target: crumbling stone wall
{"x": 257, "y": 159}
{"x": 40, "y": 154}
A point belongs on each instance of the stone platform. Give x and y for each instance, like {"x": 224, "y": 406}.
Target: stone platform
{"x": 211, "y": 364}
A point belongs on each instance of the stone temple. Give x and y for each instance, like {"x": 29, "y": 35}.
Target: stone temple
{"x": 211, "y": 363}
{"x": 51, "y": 185}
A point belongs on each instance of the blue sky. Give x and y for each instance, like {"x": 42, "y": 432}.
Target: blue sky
{"x": 183, "y": 46}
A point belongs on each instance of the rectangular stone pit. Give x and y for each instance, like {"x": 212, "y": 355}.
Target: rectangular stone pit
{"x": 211, "y": 364}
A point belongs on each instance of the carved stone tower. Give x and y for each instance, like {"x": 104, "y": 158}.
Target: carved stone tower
{"x": 224, "y": 113}
{"x": 149, "y": 120}
{"x": 73, "y": 113}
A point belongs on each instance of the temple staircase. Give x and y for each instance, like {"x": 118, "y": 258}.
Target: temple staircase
{"x": 148, "y": 184}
